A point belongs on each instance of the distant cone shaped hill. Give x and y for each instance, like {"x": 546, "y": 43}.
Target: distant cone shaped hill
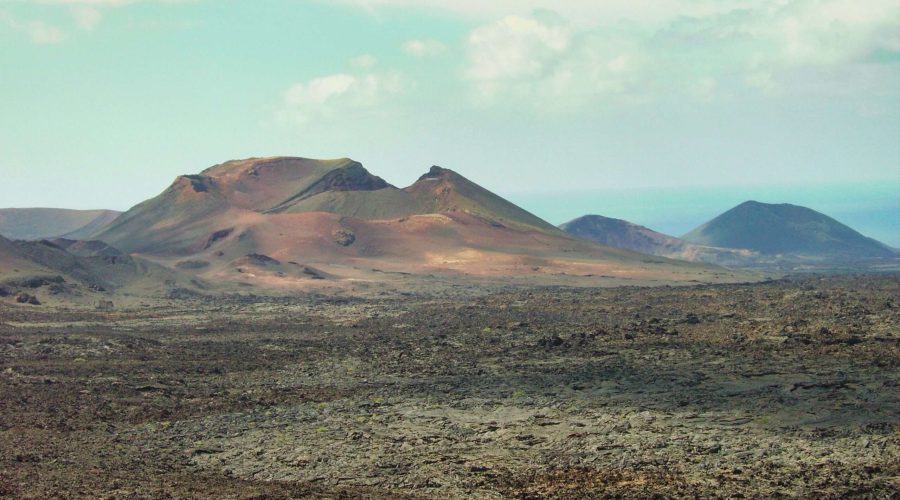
{"x": 281, "y": 219}
{"x": 623, "y": 234}
{"x": 774, "y": 229}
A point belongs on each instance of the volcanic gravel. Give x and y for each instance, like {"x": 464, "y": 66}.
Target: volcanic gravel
{"x": 783, "y": 388}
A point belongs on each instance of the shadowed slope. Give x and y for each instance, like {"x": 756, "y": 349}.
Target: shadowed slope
{"x": 622, "y": 234}
{"x": 786, "y": 229}
{"x": 442, "y": 190}
{"x": 167, "y": 220}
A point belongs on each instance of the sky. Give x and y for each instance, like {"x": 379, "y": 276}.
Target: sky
{"x": 104, "y": 102}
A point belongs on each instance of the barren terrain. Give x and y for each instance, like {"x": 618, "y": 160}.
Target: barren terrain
{"x": 787, "y": 387}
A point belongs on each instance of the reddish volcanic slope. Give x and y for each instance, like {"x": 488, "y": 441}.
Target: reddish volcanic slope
{"x": 287, "y": 213}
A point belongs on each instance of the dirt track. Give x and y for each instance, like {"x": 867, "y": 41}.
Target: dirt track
{"x": 782, "y": 388}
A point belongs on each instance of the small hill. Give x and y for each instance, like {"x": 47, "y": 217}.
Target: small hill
{"x": 778, "y": 229}
{"x": 14, "y": 262}
{"x": 623, "y": 234}
{"x": 67, "y": 271}
{"x": 42, "y": 223}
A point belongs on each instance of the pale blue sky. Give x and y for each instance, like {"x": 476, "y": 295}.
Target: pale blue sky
{"x": 104, "y": 102}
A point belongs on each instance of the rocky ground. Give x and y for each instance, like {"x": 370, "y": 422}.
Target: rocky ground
{"x": 785, "y": 388}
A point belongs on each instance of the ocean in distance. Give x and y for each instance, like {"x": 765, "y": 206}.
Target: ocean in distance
{"x": 872, "y": 208}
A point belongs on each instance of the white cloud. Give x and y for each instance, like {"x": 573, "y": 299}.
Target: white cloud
{"x": 544, "y": 62}
{"x": 87, "y": 18}
{"x": 38, "y": 32}
{"x": 770, "y": 47}
{"x": 41, "y": 32}
{"x": 516, "y": 47}
{"x": 319, "y": 90}
{"x": 801, "y": 31}
{"x": 334, "y": 95}
{"x": 364, "y": 61}
{"x": 86, "y": 15}
{"x": 833, "y": 31}
{"x": 580, "y": 11}
{"x": 424, "y": 48}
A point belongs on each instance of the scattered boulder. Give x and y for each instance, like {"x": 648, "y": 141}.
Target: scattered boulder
{"x": 4, "y": 292}
{"x": 181, "y": 293}
{"x": 36, "y": 281}
{"x": 218, "y": 235}
{"x": 192, "y": 264}
{"x": 344, "y": 237}
{"x": 261, "y": 260}
{"x": 25, "y": 298}
{"x": 551, "y": 341}
{"x": 313, "y": 273}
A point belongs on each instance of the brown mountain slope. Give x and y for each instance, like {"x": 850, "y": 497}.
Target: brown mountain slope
{"x": 273, "y": 184}
{"x": 443, "y": 190}
{"x": 337, "y": 218}
{"x": 178, "y": 220}
{"x": 352, "y": 191}
{"x": 40, "y": 223}
{"x": 172, "y": 222}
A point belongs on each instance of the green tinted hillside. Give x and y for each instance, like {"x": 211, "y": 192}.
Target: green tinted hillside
{"x": 785, "y": 229}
